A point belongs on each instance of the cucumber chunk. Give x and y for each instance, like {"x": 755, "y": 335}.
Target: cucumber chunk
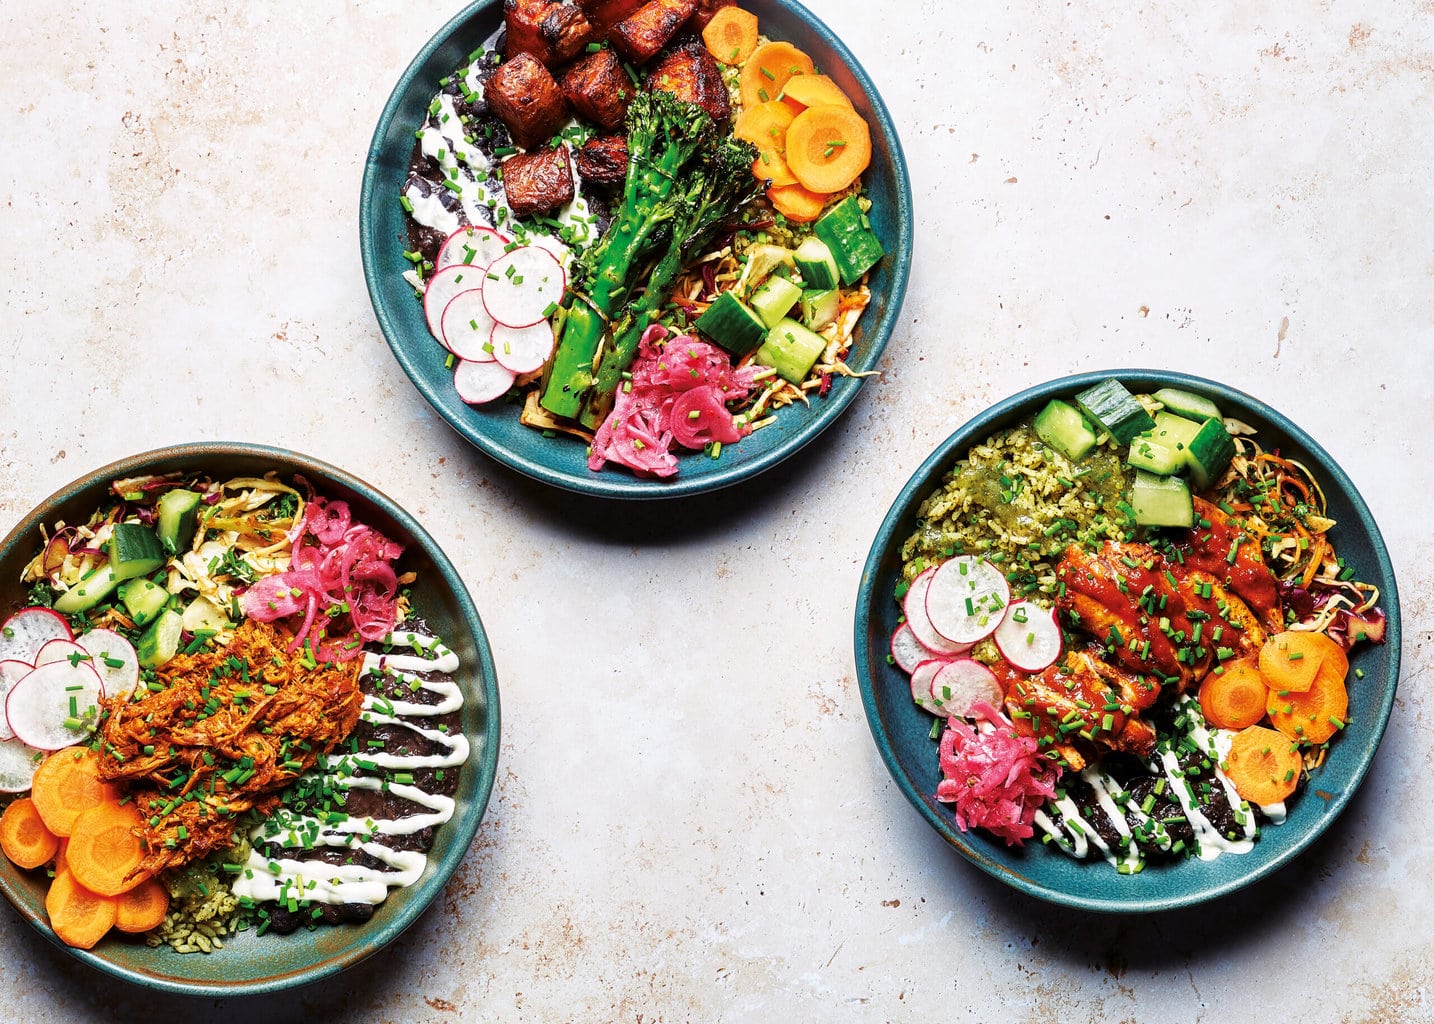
{"x": 1187, "y": 404}
{"x": 1209, "y": 453}
{"x": 1164, "y": 449}
{"x": 143, "y": 599}
{"x": 160, "y": 641}
{"x": 730, "y": 323}
{"x": 817, "y": 264}
{"x": 1161, "y": 500}
{"x": 90, "y": 591}
{"x": 1061, "y": 426}
{"x": 791, "y": 350}
{"x": 847, "y": 233}
{"x": 774, "y": 300}
{"x": 178, "y": 517}
{"x": 134, "y": 551}
{"x": 820, "y": 308}
{"x": 1115, "y": 410}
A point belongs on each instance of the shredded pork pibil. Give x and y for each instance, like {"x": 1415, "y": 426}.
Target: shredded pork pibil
{"x": 219, "y": 733}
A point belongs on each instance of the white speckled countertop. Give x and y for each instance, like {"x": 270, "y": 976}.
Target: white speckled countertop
{"x": 703, "y": 831}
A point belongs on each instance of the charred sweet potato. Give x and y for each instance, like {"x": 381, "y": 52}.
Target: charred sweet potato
{"x": 602, "y": 161}
{"x": 552, "y": 31}
{"x": 524, "y": 96}
{"x": 640, "y": 36}
{"x": 538, "y": 182}
{"x": 599, "y": 89}
{"x": 691, "y": 73}
{"x": 604, "y": 14}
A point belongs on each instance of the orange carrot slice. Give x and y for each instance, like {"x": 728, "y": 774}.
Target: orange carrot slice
{"x": 1263, "y": 766}
{"x": 731, "y": 35}
{"x": 768, "y": 69}
{"x": 1316, "y": 714}
{"x": 772, "y": 168}
{"x": 143, "y": 907}
{"x": 80, "y": 917}
{"x": 803, "y": 91}
{"x": 24, "y": 837}
{"x": 1235, "y": 696}
{"x": 828, "y": 147}
{"x": 105, "y": 850}
{"x": 66, "y": 783}
{"x": 796, "y": 203}
{"x": 1289, "y": 660}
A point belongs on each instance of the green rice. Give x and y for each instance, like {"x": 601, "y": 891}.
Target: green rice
{"x": 202, "y": 912}
{"x": 1020, "y": 503}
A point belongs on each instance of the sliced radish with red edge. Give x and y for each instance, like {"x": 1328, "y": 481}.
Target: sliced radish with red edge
{"x": 29, "y": 629}
{"x": 472, "y": 247}
{"x": 114, "y": 658}
{"x": 524, "y": 286}
{"x": 442, "y": 288}
{"x": 18, "y": 762}
{"x": 966, "y": 599}
{"x": 959, "y": 684}
{"x": 61, "y": 650}
{"x": 523, "y": 349}
{"x": 40, "y": 704}
{"x": 467, "y": 327}
{"x": 921, "y": 679}
{"x": 906, "y": 650}
{"x": 914, "y": 604}
{"x": 482, "y": 382}
{"x": 1029, "y": 637}
{"x": 11, "y": 672}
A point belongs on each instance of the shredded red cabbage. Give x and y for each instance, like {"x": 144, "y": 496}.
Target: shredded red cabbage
{"x": 996, "y": 779}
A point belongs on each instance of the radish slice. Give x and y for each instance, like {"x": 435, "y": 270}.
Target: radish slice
{"x": 482, "y": 382}
{"x": 11, "y": 672}
{"x": 474, "y": 247}
{"x": 114, "y": 658}
{"x": 1029, "y": 637}
{"x": 524, "y": 286}
{"x": 966, "y": 599}
{"x": 18, "y": 762}
{"x": 467, "y": 327}
{"x": 61, "y": 650}
{"x": 39, "y": 704}
{"x": 442, "y": 288}
{"x": 914, "y": 604}
{"x": 523, "y": 349}
{"x": 961, "y": 683}
{"x": 906, "y": 650}
{"x": 29, "y": 629}
{"x": 921, "y": 680}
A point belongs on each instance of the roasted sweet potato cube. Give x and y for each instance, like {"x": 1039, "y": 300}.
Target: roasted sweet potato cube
{"x": 706, "y": 11}
{"x": 690, "y": 73}
{"x": 538, "y": 182}
{"x": 599, "y": 89}
{"x": 524, "y": 96}
{"x": 602, "y": 161}
{"x": 552, "y": 31}
{"x": 604, "y": 14}
{"x": 641, "y": 36}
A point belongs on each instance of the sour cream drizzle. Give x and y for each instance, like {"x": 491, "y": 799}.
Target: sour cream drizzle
{"x": 265, "y": 878}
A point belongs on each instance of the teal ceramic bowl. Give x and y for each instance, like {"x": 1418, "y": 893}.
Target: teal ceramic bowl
{"x": 901, "y": 730}
{"x": 562, "y": 462}
{"x": 251, "y": 964}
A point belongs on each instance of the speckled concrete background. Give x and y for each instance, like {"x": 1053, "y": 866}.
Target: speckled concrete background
{"x": 691, "y": 821}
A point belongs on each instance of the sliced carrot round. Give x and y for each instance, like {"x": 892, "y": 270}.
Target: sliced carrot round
{"x": 1289, "y": 660}
{"x": 772, "y": 168}
{"x": 105, "y": 850}
{"x": 79, "y": 916}
{"x": 66, "y": 783}
{"x": 731, "y": 35}
{"x": 1235, "y": 696}
{"x": 768, "y": 69}
{"x": 802, "y": 91}
{"x": 1316, "y": 714}
{"x": 24, "y": 837}
{"x": 828, "y": 147}
{"x": 796, "y": 203}
{"x": 1263, "y": 765}
{"x": 143, "y": 907}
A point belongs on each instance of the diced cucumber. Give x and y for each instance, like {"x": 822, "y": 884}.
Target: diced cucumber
{"x": 90, "y": 591}
{"x": 847, "y": 233}
{"x": 774, "y": 300}
{"x": 732, "y": 324}
{"x": 817, "y": 264}
{"x": 1187, "y": 404}
{"x": 1175, "y": 430}
{"x": 1164, "y": 448}
{"x": 178, "y": 517}
{"x": 134, "y": 551}
{"x": 1161, "y": 500}
{"x": 1209, "y": 453}
{"x": 160, "y": 641}
{"x": 1114, "y": 410}
{"x": 203, "y": 613}
{"x": 1061, "y": 426}
{"x": 791, "y": 350}
{"x": 143, "y": 599}
{"x": 820, "y": 308}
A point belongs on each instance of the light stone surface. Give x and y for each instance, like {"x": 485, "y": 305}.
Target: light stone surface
{"x": 691, "y": 821}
